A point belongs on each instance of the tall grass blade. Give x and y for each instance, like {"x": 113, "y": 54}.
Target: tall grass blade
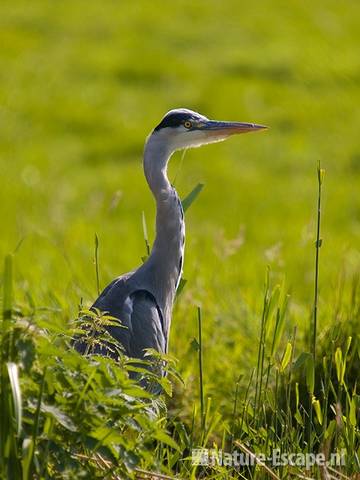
{"x": 232, "y": 430}
{"x": 6, "y": 347}
{"x": 261, "y": 348}
{"x": 8, "y": 290}
{"x": 181, "y": 287}
{"x": 328, "y": 367}
{"x": 189, "y": 199}
{"x": 5, "y": 356}
{"x": 183, "y": 153}
{"x": 13, "y": 373}
{"x": 279, "y": 324}
{"x": 29, "y": 464}
{"x": 145, "y": 233}
{"x": 286, "y": 357}
{"x": 246, "y": 402}
{"x": 310, "y": 382}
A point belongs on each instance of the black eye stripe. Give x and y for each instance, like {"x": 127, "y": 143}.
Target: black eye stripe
{"x": 174, "y": 120}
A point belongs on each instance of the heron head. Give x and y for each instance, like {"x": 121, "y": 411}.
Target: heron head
{"x": 182, "y": 128}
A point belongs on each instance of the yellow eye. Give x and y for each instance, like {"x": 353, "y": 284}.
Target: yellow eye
{"x": 187, "y": 124}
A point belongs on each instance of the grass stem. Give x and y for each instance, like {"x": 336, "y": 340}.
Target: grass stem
{"x": 201, "y": 384}
{"x": 97, "y": 263}
{"x": 320, "y": 176}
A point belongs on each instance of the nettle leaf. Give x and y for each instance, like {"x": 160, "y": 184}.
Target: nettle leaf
{"x": 165, "y": 438}
{"x": 137, "y": 392}
{"x": 26, "y": 351}
{"x": 107, "y": 435}
{"x": 129, "y": 457}
{"x": 64, "y": 420}
{"x": 166, "y": 385}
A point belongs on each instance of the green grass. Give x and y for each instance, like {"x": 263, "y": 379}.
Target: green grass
{"x": 81, "y": 85}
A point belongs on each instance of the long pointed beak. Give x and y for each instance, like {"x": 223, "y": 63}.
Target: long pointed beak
{"x": 224, "y": 129}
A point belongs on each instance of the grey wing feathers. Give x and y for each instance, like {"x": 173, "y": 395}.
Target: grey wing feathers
{"x": 107, "y": 303}
{"x": 140, "y": 313}
{"x": 147, "y": 324}
{"x": 116, "y": 305}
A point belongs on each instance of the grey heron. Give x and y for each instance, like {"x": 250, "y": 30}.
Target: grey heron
{"x": 143, "y": 299}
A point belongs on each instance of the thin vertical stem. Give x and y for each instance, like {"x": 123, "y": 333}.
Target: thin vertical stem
{"x": 320, "y": 176}
{"x": 246, "y": 402}
{"x": 261, "y": 350}
{"x": 327, "y": 373}
{"x": 180, "y": 166}
{"x": 202, "y": 412}
{"x": 97, "y": 264}
{"x": 232, "y": 434}
{"x": 310, "y": 423}
{"x": 317, "y": 254}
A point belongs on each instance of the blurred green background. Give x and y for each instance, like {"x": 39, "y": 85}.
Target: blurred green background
{"x": 83, "y": 83}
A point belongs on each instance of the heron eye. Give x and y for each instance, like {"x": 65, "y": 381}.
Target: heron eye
{"x": 187, "y": 124}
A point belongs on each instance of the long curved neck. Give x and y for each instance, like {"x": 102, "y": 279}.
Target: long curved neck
{"x": 156, "y": 157}
{"x": 166, "y": 258}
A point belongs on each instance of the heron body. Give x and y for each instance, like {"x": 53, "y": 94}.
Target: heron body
{"x": 143, "y": 299}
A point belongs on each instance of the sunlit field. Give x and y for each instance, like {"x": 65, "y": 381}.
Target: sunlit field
{"x": 82, "y": 84}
